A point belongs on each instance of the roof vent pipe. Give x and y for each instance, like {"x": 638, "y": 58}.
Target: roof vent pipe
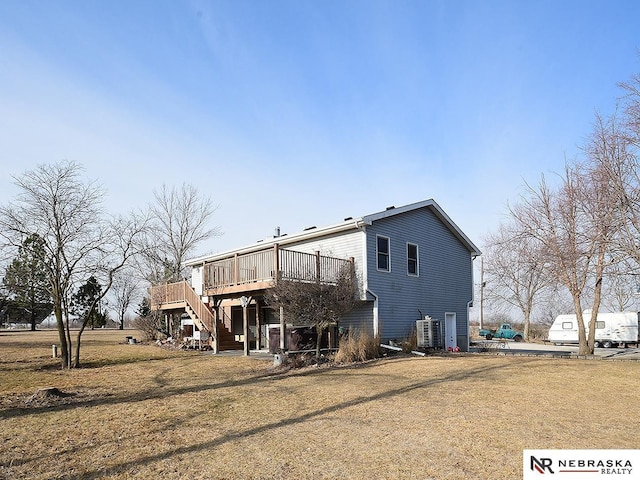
{"x": 277, "y": 232}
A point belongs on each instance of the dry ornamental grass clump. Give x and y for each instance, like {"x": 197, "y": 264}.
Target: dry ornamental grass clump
{"x": 357, "y": 346}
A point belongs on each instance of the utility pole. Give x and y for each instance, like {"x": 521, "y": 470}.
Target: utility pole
{"x": 482, "y": 285}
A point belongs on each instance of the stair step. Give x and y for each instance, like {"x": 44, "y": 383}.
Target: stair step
{"x": 226, "y": 339}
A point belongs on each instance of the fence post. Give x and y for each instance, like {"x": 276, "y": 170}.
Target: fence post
{"x": 318, "y": 266}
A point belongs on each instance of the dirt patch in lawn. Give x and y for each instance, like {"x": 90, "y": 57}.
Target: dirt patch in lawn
{"x": 49, "y": 397}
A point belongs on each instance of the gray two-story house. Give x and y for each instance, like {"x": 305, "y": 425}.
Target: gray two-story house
{"x": 410, "y": 262}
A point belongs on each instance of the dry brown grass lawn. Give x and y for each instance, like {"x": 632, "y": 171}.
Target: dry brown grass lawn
{"x": 138, "y": 411}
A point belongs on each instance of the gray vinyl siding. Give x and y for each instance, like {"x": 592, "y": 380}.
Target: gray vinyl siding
{"x": 444, "y": 283}
{"x": 361, "y": 318}
{"x": 342, "y": 245}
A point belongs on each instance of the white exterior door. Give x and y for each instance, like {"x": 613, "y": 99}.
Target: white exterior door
{"x": 196, "y": 279}
{"x": 450, "y": 336}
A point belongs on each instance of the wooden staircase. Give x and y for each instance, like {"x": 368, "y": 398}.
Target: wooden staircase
{"x": 182, "y": 295}
{"x": 226, "y": 340}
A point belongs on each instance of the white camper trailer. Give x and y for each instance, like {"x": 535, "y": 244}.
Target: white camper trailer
{"x": 612, "y": 329}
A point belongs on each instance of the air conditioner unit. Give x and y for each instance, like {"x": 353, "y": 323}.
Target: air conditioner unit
{"x": 430, "y": 333}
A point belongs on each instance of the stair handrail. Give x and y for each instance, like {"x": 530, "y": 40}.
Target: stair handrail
{"x": 205, "y": 317}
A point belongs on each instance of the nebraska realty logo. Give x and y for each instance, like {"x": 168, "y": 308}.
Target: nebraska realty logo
{"x": 581, "y": 464}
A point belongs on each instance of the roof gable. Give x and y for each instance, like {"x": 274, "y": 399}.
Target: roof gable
{"x": 438, "y": 212}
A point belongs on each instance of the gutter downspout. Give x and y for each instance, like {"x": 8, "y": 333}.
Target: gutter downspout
{"x": 360, "y": 225}
{"x": 376, "y": 325}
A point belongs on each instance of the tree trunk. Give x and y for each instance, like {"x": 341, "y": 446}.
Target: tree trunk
{"x": 68, "y": 335}
{"x": 583, "y": 346}
{"x": 62, "y": 335}
{"x": 85, "y": 322}
{"x": 319, "y": 331}
{"x": 32, "y": 309}
{"x": 76, "y": 363}
{"x": 527, "y": 325}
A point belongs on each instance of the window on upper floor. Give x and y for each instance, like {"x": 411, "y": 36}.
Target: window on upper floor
{"x": 412, "y": 259}
{"x": 383, "y": 253}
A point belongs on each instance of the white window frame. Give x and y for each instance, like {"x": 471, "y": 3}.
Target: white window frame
{"x": 388, "y": 254}
{"x": 417, "y": 260}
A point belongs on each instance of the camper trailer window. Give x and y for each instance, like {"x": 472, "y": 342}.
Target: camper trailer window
{"x": 567, "y": 325}
{"x": 599, "y": 325}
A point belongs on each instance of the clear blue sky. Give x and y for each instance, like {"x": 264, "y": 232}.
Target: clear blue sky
{"x": 300, "y": 113}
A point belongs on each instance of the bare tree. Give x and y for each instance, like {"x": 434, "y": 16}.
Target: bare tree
{"x": 122, "y": 241}
{"x": 577, "y": 223}
{"x": 631, "y": 103}
{"x": 624, "y": 134}
{"x": 66, "y": 212}
{"x": 317, "y": 303}
{"x": 622, "y": 286}
{"x": 123, "y": 291}
{"x": 181, "y": 218}
{"x": 514, "y": 271}
{"x": 552, "y": 301}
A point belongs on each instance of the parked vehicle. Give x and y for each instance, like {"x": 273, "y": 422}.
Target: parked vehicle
{"x": 505, "y": 331}
{"x": 612, "y": 329}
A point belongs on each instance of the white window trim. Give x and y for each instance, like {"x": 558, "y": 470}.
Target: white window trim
{"x": 417, "y": 274}
{"x": 388, "y": 270}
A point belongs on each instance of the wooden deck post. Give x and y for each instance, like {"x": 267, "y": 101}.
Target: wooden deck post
{"x": 317, "y": 252}
{"x": 216, "y": 319}
{"x": 283, "y": 330}
{"x": 236, "y": 270}
{"x": 244, "y": 301}
{"x": 245, "y": 330}
{"x": 258, "y": 331}
{"x": 205, "y": 277}
{"x": 276, "y": 261}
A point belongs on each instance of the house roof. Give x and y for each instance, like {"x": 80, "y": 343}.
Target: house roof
{"x": 346, "y": 225}
{"x": 438, "y": 212}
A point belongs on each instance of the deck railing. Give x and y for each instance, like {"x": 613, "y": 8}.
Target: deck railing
{"x": 251, "y": 271}
{"x": 180, "y": 293}
{"x": 266, "y": 265}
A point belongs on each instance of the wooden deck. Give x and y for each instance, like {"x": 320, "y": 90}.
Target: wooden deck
{"x": 258, "y": 270}
{"x": 247, "y": 273}
{"x": 243, "y": 274}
